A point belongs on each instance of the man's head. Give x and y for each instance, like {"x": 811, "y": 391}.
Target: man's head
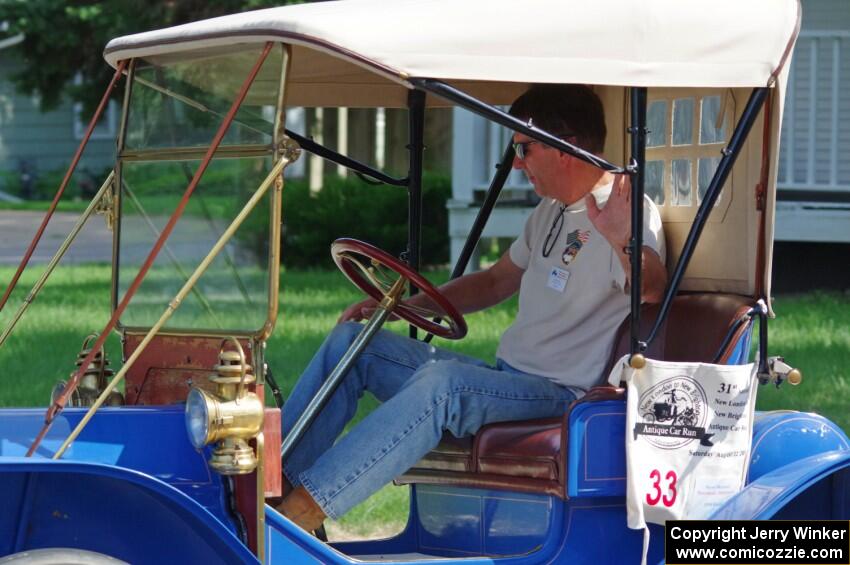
{"x": 567, "y": 110}
{"x": 572, "y": 112}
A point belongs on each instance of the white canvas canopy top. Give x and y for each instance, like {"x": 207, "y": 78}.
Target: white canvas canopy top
{"x": 355, "y": 50}
{"x": 363, "y": 53}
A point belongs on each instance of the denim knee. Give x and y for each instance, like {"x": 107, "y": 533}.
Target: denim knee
{"x": 344, "y": 333}
{"x": 439, "y": 377}
{"x": 339, "y": 340}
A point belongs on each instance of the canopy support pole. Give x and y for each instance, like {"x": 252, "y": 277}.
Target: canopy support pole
{"x": 359, "y": 168}
{"x": 503, "y": 169}
{"x": 502, "y": 118}
{"x": 416, "y": 149}
{"x": 637, "y": 129}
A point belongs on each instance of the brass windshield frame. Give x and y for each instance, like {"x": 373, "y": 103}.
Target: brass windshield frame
{"x": 224, "y": 152}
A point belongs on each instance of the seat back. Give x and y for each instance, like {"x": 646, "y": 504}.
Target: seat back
{"x": 694, "y": 330}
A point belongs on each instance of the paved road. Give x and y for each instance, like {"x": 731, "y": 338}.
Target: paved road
{"x": 94, "y": 243}
{"x": 190, "y": 241}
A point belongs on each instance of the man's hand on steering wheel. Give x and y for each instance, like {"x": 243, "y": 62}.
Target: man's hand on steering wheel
{"x": 383, "y": 277}
{"x": 362, "y": 310}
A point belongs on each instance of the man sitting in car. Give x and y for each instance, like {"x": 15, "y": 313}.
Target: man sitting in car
{"x": 571, "y": 268}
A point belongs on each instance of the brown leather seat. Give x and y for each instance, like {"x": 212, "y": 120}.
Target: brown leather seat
{"x": 694, "y": 329}
{"x": 530, "y": 456}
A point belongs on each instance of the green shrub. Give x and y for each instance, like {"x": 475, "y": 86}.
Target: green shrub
{"x": 10, "y": 182}
{"x": 83, "y": 184}
{"x": 352, "y": 208}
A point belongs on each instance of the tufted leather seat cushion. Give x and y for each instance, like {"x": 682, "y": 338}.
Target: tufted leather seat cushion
{"x": 530, "y": 456}
{"x": 453, "y": 454}
{"x": 530, "y": 449}
{"x": 518, "y": 456}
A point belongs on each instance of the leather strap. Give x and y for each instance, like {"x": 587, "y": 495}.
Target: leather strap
{"x": 761, "y": 199}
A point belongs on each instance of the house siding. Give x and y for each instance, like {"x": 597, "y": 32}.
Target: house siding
{"x": 44, "y": 140}
{"x": 816, "y": 131}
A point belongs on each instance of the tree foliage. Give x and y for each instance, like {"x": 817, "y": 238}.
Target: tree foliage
{"x": 63, "y": 38}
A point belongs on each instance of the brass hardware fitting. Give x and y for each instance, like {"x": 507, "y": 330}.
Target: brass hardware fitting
{"x": 794, "y": 377}
{"x": 637, "y": 361}
{"x": 779, "y": 371}
{"x": 289, "y": 149}
{"x": 107, "y": 207}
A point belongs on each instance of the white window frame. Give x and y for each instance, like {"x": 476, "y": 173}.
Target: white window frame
{"x": 106, "y": 128}
{"x": 693, "y": 151}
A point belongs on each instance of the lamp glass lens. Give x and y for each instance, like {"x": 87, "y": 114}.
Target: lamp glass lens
{"x": 197, "y": 418}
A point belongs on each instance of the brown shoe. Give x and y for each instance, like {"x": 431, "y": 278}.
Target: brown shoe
{"x": 286, "y": 488}
{"x": 300, "y": 507}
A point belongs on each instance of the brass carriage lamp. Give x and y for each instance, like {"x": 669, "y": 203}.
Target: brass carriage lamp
{"x": 231, "y": 416}
{"x": 93, "y": 382}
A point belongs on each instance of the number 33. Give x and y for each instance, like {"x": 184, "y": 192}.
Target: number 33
{"x": 656, "y": 496}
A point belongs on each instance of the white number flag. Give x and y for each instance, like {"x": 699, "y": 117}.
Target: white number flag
{"x": 688, "y": 437}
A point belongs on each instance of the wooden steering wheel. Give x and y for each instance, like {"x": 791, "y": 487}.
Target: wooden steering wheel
{"x": 372, "y": 277}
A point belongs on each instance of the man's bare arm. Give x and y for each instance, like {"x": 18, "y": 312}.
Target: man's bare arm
{"x": 653, "y": 275}
{"x": 614, "y": 222}
{"x": 468, "y": 293}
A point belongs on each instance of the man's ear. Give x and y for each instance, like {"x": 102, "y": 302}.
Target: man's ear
{"x": 566, "y": 160}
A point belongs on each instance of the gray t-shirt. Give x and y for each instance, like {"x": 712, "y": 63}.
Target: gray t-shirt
{"x": 571, "y": 302}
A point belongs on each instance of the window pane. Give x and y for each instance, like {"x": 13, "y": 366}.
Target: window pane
{"x": 656, "y": 122}
{"x": 683, "y": 121}
{"x": 680, "y": 185}
{"x": 708, "y": 133}
{"x": 232, "y": 295}
{"x": 182, "y": 104}
{"x": 653, "y": 182}
{"x": 705, "y": 172}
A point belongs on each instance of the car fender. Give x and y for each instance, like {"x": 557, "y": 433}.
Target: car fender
{"x": 763, "y": 498}
{"x": 108, "y": 509}
{"x": 783, "y": 436}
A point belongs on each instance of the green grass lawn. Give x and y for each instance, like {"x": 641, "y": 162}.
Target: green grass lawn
{"x": 42, "y": 205}
{"x": 812, "y": 331}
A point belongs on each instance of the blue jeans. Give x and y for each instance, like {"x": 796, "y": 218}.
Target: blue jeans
{"x": 424, "y": 391}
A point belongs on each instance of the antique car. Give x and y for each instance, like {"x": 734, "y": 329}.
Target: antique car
{"x": 178, "y": 464}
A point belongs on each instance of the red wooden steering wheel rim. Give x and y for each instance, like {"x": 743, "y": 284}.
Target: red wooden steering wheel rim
{"x": 456, "y": 324}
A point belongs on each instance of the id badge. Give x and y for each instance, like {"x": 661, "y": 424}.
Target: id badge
{"x": 558, "y": 279}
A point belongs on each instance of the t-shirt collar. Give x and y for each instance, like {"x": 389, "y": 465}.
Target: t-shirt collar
{"x": 601, "y": 193}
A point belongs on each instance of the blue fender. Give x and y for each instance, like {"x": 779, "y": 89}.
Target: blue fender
{"x": 112, "y": 510}
{"x": 783, "y": 436}
{"x": 814, "y": 487}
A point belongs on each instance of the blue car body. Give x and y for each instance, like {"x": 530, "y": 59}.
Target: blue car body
{"x": 132, "y": 477}
{"x": 133, "y": 487}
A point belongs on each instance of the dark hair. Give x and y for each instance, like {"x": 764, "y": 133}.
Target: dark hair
{"x": 564, "y": 109}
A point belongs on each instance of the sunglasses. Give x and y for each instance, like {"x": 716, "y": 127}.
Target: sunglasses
{"x": 554, "y": 232}
{"x": 521, "y": 147}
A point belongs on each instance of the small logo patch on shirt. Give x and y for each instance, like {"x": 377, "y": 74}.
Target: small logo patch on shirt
{"x": 575, "y": 241}
{"x": 558, "y": 279}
